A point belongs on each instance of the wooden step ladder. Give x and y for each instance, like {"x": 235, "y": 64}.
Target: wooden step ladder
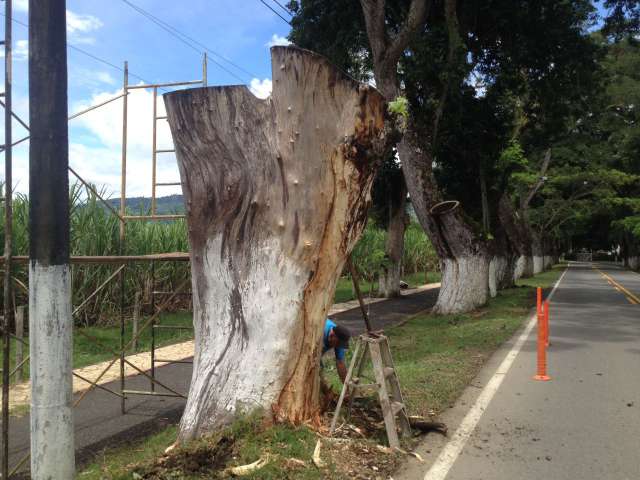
{"x": 376, "y": 345}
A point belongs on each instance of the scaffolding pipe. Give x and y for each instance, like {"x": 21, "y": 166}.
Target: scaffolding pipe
{"x": 108, "y": 259}
{"x": 75, "y": 115}
{"x": 154, "y": 155}
{"x": 8, "y": 223}
{"x": 123, "y": 208}
{"x": 50, "y": 318}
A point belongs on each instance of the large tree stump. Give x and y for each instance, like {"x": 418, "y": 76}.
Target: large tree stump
{"x": 276, "y": 194}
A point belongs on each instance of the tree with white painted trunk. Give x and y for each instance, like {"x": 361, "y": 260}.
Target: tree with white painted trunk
{"x": 464, "y": 259}
{"x": 390, "y": 198}
{"x": 276, "y": 194}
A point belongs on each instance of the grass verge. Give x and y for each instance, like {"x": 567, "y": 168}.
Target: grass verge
{"x": 344, "y": 288}
{"x": 436, "y": 358}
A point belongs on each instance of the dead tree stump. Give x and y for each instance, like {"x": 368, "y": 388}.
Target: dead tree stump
{"x": 276, "y": 194}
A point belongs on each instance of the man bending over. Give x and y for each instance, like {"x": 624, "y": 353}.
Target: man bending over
{"x": 336, "y": 337}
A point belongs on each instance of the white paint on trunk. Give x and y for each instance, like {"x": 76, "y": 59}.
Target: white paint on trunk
{"x": 633, "y": 262}
{"x": 538, "y": 264}
{"x": 519, "y": 270}
{"x": 493, "y": 280}
{"x": 464, "y": 285}
{"x": 497, "y": 270}
{"x": 51, "y": 347}
{"x": 242, "y": 361}
{"x": 548, "y": 262}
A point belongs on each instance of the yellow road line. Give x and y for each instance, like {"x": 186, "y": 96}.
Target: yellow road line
{"x": 628, "y": 295}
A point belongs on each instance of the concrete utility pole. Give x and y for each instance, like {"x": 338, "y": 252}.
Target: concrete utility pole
{"x": 50, "y": 320}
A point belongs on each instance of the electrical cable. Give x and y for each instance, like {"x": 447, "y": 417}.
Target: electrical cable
{"x": 283, "y": 7}
{"x": 271, "y": 8}
{"x": 189, "y": 41}
{"x": 90, "y": 55}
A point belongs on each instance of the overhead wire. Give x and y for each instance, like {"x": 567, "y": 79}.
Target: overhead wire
{"x": 283, "y": 7}
{"x": 88, "y": 54}
{"x": 190, "y": 41}
{"x": 271, "y": 8}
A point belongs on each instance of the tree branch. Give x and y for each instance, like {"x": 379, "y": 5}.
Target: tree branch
{"x": 373, "y": 11}
{"x": 543, "y": 170}
{"x": 450, "y": 11}
{"x": 387, "y": 51}
{"x": 417, "y": 16}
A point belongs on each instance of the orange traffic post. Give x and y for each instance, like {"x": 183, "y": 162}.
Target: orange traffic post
{"x": 542, "y": 351}
{"x": 546, "y": 323}
{"x": 539, "y": 302}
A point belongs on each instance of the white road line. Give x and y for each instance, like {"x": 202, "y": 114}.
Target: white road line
{"x": 452, "y": 450}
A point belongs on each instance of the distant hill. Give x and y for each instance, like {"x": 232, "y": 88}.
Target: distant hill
{"x": 171, "y": 204}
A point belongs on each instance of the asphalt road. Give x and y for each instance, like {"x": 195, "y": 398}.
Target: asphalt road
{"x": 583, "y": 424}
{"x": 99, "y": 422}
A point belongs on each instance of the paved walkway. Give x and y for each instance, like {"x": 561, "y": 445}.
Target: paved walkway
{"x": 21, "y": 394}
{"x": 98, "y": 419}
{"x": 583, "y": 424}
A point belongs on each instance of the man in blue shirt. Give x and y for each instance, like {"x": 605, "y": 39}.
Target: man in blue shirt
{"x": 336, "y": 337}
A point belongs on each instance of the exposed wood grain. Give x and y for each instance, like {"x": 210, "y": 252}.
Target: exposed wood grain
{"x": 276, "y": 194}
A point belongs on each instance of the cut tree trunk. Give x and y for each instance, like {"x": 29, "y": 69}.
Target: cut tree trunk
{"x": 389, "y": 282}
{"x": 276, "y": 194}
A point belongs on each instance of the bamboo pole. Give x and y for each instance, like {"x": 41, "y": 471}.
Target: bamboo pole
{"x": 19, "y": 344}
{"x": 123, "y": 207}
{"x": 119, "y": 259}
{"x": 153, "y": 152}
{"x": 8, "y": 222}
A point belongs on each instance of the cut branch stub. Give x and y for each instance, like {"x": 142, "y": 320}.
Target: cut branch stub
{"x": 276, "y": 194}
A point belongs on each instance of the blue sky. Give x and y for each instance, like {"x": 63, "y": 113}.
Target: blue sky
{"x": 239, "y": 30}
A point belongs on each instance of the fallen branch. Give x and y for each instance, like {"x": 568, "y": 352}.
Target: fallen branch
{"x": 244, "y": 470}
{"x": 316, "y": 455}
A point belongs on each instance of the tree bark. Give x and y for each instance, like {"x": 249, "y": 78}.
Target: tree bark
{"x": 503, "y": 261}
{"x": 463, "y": 254}
{"x": 389, "y": 282}
{"x": 276, "y": 194}
{"x": 518, "y": 236}
{"x": 464, "y": 258}
{"x": 537, "y": 252}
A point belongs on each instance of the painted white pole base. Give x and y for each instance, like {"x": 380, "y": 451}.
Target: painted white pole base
{"x": 51, "y": 347}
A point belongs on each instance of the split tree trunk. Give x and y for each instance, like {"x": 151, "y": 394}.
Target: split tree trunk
{"x": 389, "y": 283}
{"x": 276, "y": 193}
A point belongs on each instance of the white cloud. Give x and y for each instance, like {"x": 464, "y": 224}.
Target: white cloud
{"x": 78, "y": 23}
{"x": 96, "y": 80}
{"x": 96, "y": 143}
{"x": 20, "y": 50}
{"x": 261, "y": 88}
{"x": 277, "y": 40}
{"x": 21, "y": 5}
